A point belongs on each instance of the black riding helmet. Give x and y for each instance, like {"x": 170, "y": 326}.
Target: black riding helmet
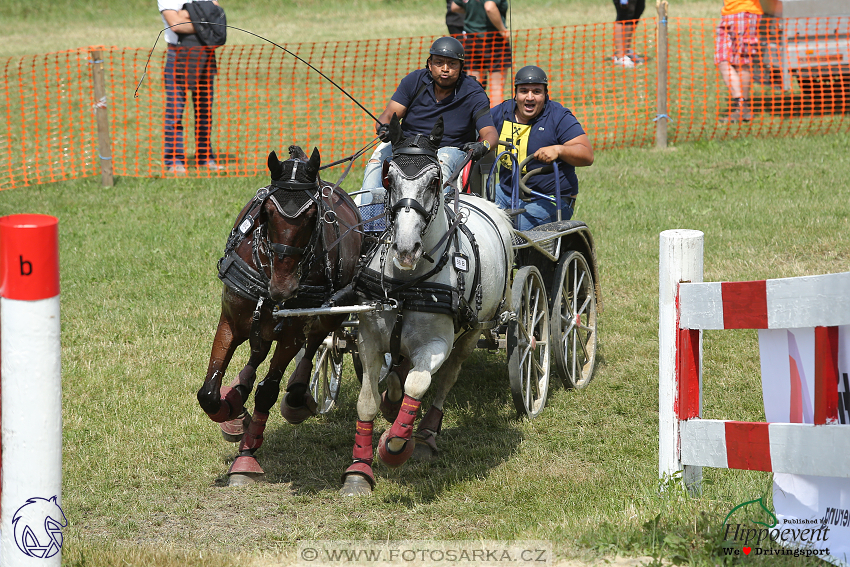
{"x": 447, "y": 47}
{"x": 531, "y": 75}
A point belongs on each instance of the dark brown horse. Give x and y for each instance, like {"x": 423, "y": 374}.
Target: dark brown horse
{"x": 294, "y": 245}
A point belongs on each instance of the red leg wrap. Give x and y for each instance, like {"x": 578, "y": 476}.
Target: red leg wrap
{"x": 363, "y": 469}
{"x": 362, "y": 453}
{"x": 363, "y": 442}
{"x": 432, "y": 421}
{"x": 246, "y": 377}
{"x": 246, "y": 464}
{"x": 231, "y": 405}
{"x": 233, "y": 429}
{"x": 253, "y": 438}
{"x": 403, "y": 425}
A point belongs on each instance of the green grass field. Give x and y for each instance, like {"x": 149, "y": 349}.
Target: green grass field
{"x": 144, "y": 468}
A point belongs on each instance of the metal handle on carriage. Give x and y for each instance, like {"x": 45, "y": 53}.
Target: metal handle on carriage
{"x": 514, "y": 181}
{"x": 548, "y": 168}
{"x": 518, "y": 182}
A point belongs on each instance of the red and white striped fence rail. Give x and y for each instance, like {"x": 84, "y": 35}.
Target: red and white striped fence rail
{"x": 687, "y": 306}
{"x": 31, "y": 517}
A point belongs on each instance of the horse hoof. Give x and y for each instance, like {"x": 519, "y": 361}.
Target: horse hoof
{"x": 426, "y": 446}
{"x": 233, "y": 429}
{"x": 356, "y": 485}
{"x": 390, "y": 458}
{"x": 243, "y": 479}
{"x": 298, "y": 414}
{"x": 389, "y": 409}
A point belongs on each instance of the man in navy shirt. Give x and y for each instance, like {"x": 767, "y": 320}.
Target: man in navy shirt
{"x": 544, "y": 129}
{"x": 423, "y": 96}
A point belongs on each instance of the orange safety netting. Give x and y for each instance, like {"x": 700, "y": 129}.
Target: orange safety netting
{"x": 265, "y": 99}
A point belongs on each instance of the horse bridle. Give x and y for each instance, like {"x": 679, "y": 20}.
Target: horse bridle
{"x": 275, "y": 250}
{"x": 408, "y": 203}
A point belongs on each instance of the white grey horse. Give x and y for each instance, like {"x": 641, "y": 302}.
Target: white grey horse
{"x": 451, "y": 282}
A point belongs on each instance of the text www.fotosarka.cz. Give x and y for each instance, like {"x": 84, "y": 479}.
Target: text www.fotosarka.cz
{"x": 431, "y": 553}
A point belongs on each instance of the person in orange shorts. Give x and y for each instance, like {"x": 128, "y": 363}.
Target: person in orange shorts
{"x": 736, "y": 43}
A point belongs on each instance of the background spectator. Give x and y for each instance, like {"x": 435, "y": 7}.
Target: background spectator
{"x": 454, "y": 20}
{"x": 628, "y": 14}
{"x": 189, "y": 66}
{"x": 487, "y": 42}
{"x": 736, "y": 42}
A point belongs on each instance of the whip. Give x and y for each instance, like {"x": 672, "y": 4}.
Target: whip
{"x": 342, "y": 90}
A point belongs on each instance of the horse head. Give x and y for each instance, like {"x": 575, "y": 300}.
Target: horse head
{"x": 289, "y": 214}
{"x": 413, "y": 180}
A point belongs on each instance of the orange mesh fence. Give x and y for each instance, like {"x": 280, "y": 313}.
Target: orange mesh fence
{"x": 264, "y": 99}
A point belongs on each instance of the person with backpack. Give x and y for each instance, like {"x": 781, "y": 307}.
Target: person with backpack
{"x": 192, "y": 35}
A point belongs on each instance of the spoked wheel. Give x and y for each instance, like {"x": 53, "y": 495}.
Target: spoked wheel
{"x": 528, "y": 342}
{"x": 327, "y": 374}
{"x": 574, "y": 321}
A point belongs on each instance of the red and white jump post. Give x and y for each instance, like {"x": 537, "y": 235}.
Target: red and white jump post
{"x": 31, "y": 389}
{"x": 687, "y": 306}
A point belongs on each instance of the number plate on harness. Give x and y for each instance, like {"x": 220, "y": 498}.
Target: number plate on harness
{"x": 461, "y": 262}
{"x": 246, "y": 225}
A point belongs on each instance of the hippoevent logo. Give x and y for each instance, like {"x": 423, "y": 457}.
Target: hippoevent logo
{"x": 760, "y": 527}
{"x": 38, "y": 527}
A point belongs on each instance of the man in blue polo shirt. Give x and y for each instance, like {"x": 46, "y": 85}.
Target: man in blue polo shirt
{"x": 442, "y": 88}
{"x": 544, "y": 129}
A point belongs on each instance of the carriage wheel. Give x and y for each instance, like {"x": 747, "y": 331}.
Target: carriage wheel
{"x": 528, "y": 342}
{"x": 327, "y": 374}
{"x": 574, "y": 321}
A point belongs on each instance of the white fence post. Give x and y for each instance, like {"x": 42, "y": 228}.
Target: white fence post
{"x": 680, "y": 259}
{"x": 31, "y": 517}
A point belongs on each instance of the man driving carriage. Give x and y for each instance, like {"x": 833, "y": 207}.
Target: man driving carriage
{"x": 444, "y": 89}
{"x": 537, "y": 126}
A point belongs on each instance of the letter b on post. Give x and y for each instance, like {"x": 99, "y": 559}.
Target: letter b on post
{"x": 29, "y": 257}
{"x": 26, "y": 267}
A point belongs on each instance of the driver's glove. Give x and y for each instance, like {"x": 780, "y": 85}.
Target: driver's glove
{"x": 479, "y": 149}
{"x": 383, "y": 132}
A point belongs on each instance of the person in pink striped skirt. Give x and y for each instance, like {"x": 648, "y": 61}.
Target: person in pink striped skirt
{"x": 736, "y": 44}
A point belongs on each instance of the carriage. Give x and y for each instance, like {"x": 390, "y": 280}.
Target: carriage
{"x": 555, "y": 296}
